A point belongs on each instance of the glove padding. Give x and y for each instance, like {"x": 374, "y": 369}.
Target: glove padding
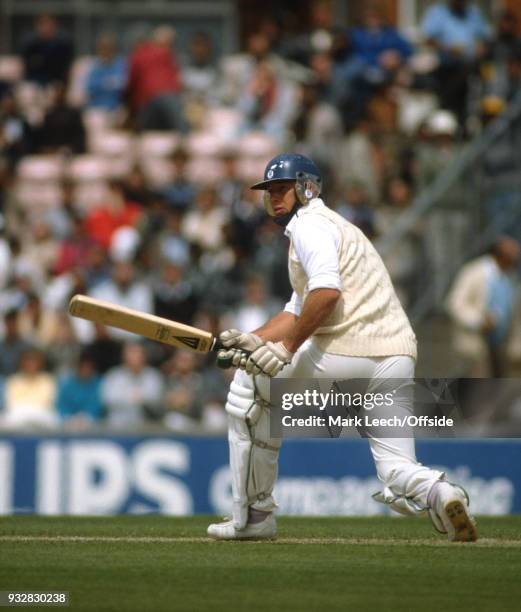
{"x": 232, "y": 358}
{"x": 234, "y": 338}
{"x": 269, "y": 359}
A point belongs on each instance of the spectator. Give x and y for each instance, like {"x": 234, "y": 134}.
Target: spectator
{"x": 356, "y": 160}
{"x": 125, "y": 289}
{"x": 404, "y": 263}
{"x": 25, "y": 277}
{"x": 270, "y": 258}
{"x": 256, "y": 306}
{"x": 246, "y": 213}
{"x": 356, "y": 208}
{"x": 268, "y": 103}
{"x": 79, "y": 395}
{"x": 153, "y": 221}
{"x": 61, "y": 216}
{"x": 107, "y": 79}
{"x": 75, "y": 248}
{"x": 459, "y": 33}
{"x": 41, "y": 247}
{"x": 115, "y": 212}
{"x": 318, "y": 127}
{"x": 136, "y": 187}
{"x": 16, "y": 135}
{"x": 381, "y": 47}
{"x": 213, "y": 417}
{"x": 47, "y": 53}
{"x": 322, "y": 36}
{"x": 446, "y": 227}
{"x": 13, "y": 345}
{"x": 329, "y": 80}
{"x": 154, "y": 84}
{"x": 62, "y": 346}
{"x": 36, "y": 323}
{"x": 30, "y": 394}
{"x": 104, "y": 350}
{"x": 171, "y": 245}
{"x": 480, "y": 305}
{"x": 180, "y": 193}
{"x": 230, "y": 187}
{"x": 237, "y": 70}
{"x": 184, "y": 391}
{"x": 98, "y": 269}
{"x": 199, "y": 72}
{"x": 174, "y": 295}
{"x": 378, "y": 62}
{"x": 203, "y": 226}
{"x": 199, "y": 75}
{"x": 132, "y": 391}
{"x": 60, "y": 289}
{"x": 62, "y": 130}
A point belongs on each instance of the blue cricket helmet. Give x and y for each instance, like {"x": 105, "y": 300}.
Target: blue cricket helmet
{"x": 290, "y": 167}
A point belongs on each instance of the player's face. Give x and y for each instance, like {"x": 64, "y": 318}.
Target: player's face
{"x": 281, "y": 197}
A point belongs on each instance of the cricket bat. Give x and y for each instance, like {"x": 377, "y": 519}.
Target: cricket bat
{"x": 144, "y": 324}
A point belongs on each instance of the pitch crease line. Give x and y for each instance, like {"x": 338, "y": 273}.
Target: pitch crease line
{"x": 484, "y": 542}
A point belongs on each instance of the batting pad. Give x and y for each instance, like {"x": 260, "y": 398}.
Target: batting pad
{"x": 253, "y": 454}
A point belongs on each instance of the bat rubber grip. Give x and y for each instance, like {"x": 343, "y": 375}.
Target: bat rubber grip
{"x": 224, "y": 364}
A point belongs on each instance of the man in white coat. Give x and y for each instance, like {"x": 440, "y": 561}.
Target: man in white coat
{"x": 343, "y": 321}
{"x": 481, "y": 306}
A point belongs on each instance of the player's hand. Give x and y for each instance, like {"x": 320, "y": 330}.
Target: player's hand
{"x": 232, "y": 358}
{"x": 233, "y": 338}
{"x": 269, "y": 359}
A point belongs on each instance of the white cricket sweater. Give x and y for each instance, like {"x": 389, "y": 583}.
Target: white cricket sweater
{"x": 368, "y": 320}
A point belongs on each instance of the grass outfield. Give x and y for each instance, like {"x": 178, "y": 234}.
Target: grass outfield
{"x": 160, "y": 563}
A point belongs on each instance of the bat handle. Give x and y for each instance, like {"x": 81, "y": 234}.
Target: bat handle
{"x": 224, "y": 364}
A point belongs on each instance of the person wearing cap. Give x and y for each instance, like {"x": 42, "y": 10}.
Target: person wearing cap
{"x": 343, "y": 321}
{"x": 446, "y": 225}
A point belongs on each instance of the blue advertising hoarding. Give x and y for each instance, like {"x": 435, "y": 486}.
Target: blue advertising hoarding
{"x": 86, "y": 475}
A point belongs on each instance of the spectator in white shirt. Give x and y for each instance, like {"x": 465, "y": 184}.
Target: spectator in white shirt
{"x": 132, "y": 392}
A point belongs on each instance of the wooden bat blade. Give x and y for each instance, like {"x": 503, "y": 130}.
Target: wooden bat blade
{"x": 143, "y": 324}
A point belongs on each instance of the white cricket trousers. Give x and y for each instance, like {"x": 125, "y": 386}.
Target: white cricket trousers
{"x": 406, "y": 482}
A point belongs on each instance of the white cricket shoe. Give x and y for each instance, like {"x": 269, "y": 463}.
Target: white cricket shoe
{"x": 264, "y": 530}
{"x": 450, "y": 513}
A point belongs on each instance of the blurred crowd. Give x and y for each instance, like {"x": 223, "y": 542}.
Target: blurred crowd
{"x": 125, "y": 177}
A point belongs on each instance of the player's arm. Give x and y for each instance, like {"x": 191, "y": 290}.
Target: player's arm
{"x": 316, "y": 242}
{"x": 293, "y": 329}
{"x": 278, "y": 327}
{"x": 318, "y": 305}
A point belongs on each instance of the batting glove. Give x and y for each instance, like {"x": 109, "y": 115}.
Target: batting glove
{"x": 233, "y": 338}
{"x": 269, "y": 359}
{"x": 232, "y": 358}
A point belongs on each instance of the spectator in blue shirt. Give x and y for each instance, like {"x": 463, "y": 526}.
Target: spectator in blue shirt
{"x": 180, "y": 192}
{"x": 107, "y": 78}
{"x": 460, "y": 33}
{"x": 378, "y": 45}
{"x": 456, "y": 28}
{"x": 378, "y": 54}
{"x": 79, "y": 395}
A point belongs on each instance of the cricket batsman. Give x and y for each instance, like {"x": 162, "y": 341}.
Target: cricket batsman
{"x": 343, "y": 321}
